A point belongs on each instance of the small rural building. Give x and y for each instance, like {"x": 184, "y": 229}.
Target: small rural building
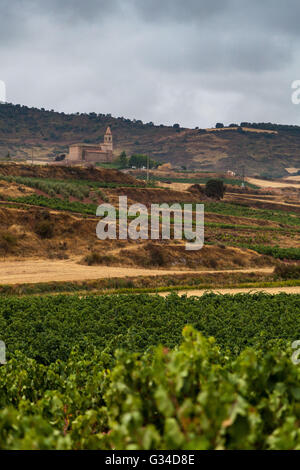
{"x": 92, "y": 153}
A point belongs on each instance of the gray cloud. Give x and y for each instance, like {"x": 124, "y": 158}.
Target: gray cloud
{"x": 194, "y": 62}
{"x": 179, "y": 11}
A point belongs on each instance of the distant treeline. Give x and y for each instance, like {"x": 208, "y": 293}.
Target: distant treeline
{"x": 270, "y": 126}
{"x": 10, "y": 110}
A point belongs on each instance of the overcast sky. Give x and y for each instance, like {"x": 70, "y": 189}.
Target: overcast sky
{"x": 188, "y": 61}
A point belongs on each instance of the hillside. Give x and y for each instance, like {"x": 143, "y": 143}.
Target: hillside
{"x": 263, "y": 149}
{"x": 100, "y": 175}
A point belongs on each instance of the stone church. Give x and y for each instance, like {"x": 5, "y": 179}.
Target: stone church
{"x": 92, "y": 153}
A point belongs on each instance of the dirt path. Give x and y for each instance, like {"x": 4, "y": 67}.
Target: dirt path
{"x": 271, "y": 184}
{"x": 292, "y": 178}
{"x": 34, "y": 271}
{"x": 269, "y": 290}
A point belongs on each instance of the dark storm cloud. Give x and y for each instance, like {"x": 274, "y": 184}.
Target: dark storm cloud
{"x": 193, "y": 62}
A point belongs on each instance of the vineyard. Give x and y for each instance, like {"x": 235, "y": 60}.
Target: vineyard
{"x": 143, "y": 372}
{"x": 292, "y": 253}
{"x": 163, "y": 179}
{"x": 56, "y": 204}
{"x": 290, "y": 219}
{"x": 105, "y": 363}
{"x": 149, "y": 238}
{"x": 65, "y": 187}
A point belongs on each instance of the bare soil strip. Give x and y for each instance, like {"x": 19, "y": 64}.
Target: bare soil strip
{"x": 35, "y": 271}
{"x": 268, "y": 290}
{"x": 271, "y": 184}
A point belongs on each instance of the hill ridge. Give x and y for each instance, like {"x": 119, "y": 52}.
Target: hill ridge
{"x": 48, "y": 133}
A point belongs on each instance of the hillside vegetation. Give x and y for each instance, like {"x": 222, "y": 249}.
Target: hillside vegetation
{"x": 50, "y": 211}
{"x": 49, "y": 133}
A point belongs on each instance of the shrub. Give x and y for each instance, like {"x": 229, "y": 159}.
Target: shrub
{"x": 211, "y": 263}
{"x": 7, "y": 241}
{"x": 102, "y": 195}
{"x": 196, "y": 189}
{"x": 44, "y": 229}
{"x": 287, "y": 271}
{"x": 95, "y": 258}
{"x": 215, "y": 188}
{"x": 156, "y": 255}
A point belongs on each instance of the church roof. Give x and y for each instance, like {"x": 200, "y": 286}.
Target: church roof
{"x": 108, "y": 131}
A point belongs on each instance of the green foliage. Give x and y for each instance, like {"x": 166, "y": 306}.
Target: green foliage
{"x": 292, "y": 253}
{"x": 95, "y": 258}
{"x": 122, "y": 160}
{"x": 144, "y": 372}
{"x": 235, "y": 210}
{"x": 193, "y": 397}
{"x": 215, "y": 188}
{"x": 79, "y": 189}
{"x": 140, "y": 161}
{"x": 47, "y": 328}
{"x": 56, "y": 204}
{"x": 233, "y": 182}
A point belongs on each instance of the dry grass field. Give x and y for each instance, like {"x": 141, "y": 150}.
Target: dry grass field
{"x": 275, "y": 184}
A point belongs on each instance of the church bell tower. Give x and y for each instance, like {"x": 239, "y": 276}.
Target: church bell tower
{"x": 108, "y": 141}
